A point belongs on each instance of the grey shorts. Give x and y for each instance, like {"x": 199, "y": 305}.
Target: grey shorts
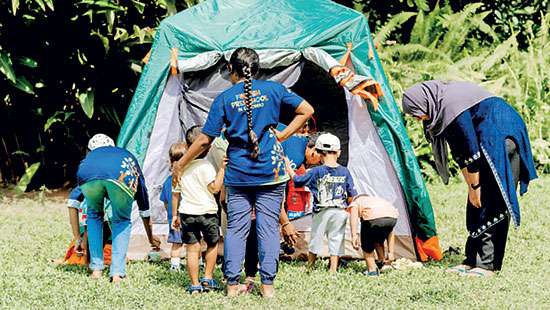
{"x": 329, "y": 223}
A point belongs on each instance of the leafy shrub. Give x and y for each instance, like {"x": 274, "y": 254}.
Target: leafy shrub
{"x": 444, "y": 45}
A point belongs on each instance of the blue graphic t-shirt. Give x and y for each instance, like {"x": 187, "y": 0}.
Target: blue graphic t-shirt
{"x": 294, "y": 148}
{"x": 166, "y": 196}
{"x": 228, "y": 110}
{"x": 119, "y": 166}
{"x": 330, "y": 186}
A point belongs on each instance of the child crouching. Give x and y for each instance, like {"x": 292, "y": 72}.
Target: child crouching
{"x": 198, "y": 215}
{"x": 378, "y": 218}
{"x": 331, "y": 186}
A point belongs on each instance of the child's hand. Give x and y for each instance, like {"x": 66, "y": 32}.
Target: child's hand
{"x": 355, "y": 241}
{"x": 78, "y": 247}
{"x": 288, "y": 167}
{"x": 278, "y": 135}
{"x": 176, "y": 222}
{"x": 155, "y": 243}
{"x": 290, "y": 234}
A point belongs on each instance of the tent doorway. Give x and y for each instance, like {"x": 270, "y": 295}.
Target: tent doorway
{"x": 329, "y": 101}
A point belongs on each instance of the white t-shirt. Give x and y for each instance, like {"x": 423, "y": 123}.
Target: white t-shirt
{"x": 193, "y": 187}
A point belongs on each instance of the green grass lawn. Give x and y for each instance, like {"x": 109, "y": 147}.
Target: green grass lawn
{"x": 32, "y": 235}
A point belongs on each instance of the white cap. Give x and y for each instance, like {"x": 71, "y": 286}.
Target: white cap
{"x": 327, "y": 142}
{"x": 100, "y": 140}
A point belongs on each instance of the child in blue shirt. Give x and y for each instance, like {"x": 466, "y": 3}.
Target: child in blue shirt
{"x": 174, "y": 236}
{"x": 332, "y": 188}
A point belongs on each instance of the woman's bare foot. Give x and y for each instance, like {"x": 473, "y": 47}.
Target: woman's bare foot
{"x": 96, "y": 274}
{"x": 233, "y": 290}
{"x": 267, "y": 290}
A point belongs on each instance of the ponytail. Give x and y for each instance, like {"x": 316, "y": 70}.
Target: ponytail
{"x": 252, "y": 137}
{"x": 245, "y": 62}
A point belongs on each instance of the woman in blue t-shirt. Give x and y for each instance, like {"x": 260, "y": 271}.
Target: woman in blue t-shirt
{"x": 255, "y": 175}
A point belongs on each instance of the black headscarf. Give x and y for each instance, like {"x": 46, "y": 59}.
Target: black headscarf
{"x": 442, "y": 101}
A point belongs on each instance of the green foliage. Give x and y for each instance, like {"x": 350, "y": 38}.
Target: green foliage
{"x": 81, "y": 59}
{"x": 394, "y": 23}
{"x": 21, "y": 186}
{"x": 87, "y": 102}
{"x": 32, "y": 235}
{"x": 445, "y": 45}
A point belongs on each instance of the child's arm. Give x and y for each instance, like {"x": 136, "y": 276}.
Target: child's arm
{"x": 216, "y": 186}
{"x": 75, "y": 200}
{"x": 175, "y": 212}
{"x": 75, "y": 226}
{"x": 353, "y": 221}
{"x": 289, "y": 232}
{"x": 299, "y": 180}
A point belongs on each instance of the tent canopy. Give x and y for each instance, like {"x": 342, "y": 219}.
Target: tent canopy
{"x": 216, "y": 27}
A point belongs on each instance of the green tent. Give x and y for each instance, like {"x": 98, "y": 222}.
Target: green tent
{"x": 290, "y": 36}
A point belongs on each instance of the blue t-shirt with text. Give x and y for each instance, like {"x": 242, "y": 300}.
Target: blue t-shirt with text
{"x": 330, "y": 186}
{"x": 228, "y": 110}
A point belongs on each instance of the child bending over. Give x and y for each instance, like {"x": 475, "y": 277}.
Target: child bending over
{"x": 198, "y": 214}
{"x": 331, "y": 186}
{"x": 378, "y": 218}
{"x": 174, "y": 235}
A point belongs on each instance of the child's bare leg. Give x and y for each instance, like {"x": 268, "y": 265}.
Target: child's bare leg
{"x": 193, "y": 254}
{"x": 369, "y": 258}
{"x": 311, "y": 257}
{"x": 391, "y": 247}
{"x": 380, "y": 251}
{"x": 210, "y": 258}
{"x": 175, "y": 250}
{"x": 333, "y": 264}
{"x": 175, "y": 259}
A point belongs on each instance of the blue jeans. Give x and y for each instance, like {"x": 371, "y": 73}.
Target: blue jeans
{"x": 267, "y": 200}
{"x": 95, "y": 192}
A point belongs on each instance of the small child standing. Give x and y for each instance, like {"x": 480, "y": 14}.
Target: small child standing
{"x": 174, "y": 235}
{"x": 331, "y": 186}
{"x": 378, "y": 218}
{"x": 198, "y": 214}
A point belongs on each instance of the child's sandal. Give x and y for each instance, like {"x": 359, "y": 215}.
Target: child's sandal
{"x": 209, "y": 284}
{"x": 195, "y": 289}
{"x": 375, "y": 273}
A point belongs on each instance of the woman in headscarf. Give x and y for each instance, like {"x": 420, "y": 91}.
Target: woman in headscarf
{"x": 488, "y": 140}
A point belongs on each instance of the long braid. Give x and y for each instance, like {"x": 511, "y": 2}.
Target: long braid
{"x": 253, "y": 138}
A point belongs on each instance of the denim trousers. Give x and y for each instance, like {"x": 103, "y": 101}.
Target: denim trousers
{"x": 267, "y": 201}
{"x": 95, "y": 192}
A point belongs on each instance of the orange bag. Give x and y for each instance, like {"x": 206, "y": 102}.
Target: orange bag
{"x": 74, "y": 258}
{"x": 107, "y": 250}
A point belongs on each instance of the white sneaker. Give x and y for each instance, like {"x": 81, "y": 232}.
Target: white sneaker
{"x": 174, "y": 268}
